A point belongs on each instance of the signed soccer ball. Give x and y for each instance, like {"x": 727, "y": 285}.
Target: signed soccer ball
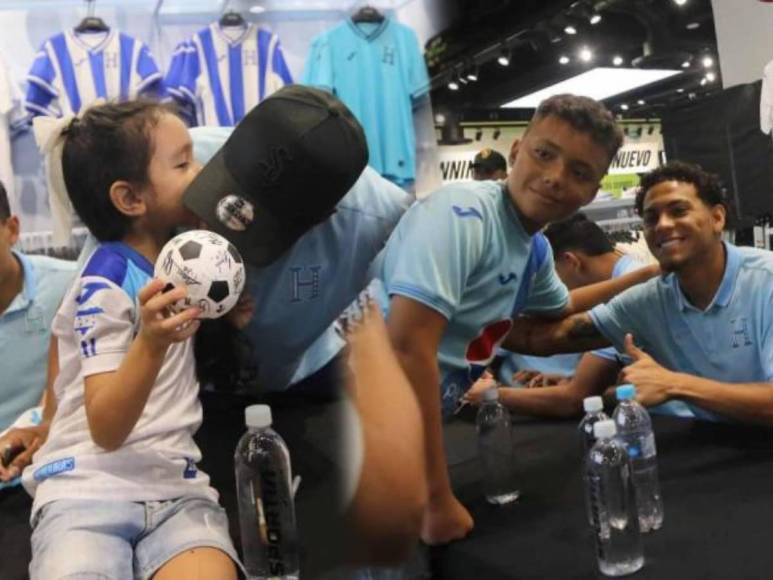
{"x": 208, "y": 265}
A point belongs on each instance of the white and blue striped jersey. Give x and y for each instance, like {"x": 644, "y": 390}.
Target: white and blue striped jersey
{"x": 73, "y": 70}
{"x": 221, "y": 77}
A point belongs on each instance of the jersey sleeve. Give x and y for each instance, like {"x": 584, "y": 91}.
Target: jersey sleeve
{"x": 416, "y": 69}
{"x": 41, "y": 95}
{"x": 435, "y": 250}
{"x": 279, "y": 65}
{"x": 104, "y": 324}
{"x": 150, "y": 79}
{"x": 318, "y": 71}
{"x": 620, "y": 315}
{"x": 547, "y": 294}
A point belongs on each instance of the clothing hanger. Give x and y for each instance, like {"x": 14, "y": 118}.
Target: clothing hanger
{"x": 231, "y": 18}
{"x": 367, "y": 14}
{"x": 91, "y": 23}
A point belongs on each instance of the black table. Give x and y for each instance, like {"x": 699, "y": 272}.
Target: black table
{"x": 717, "y": 485}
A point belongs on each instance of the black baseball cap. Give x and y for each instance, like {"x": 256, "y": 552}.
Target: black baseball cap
{"x": 489, "y": 161}
{"x": 282, "y": 171}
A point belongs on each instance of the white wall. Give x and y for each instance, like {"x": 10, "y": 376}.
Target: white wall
{"x": 744, "y": 37}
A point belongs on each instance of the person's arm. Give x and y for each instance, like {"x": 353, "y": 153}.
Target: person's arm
{"x": 748, "y": 402}
{"x": 586, "y": 297}
{"x": 592, "y": 376}
{"x": 393, "y": 466}
{"x": 115, "y": 400}
{"x": 542, "y": 337}
{"x": 415, "y": 331}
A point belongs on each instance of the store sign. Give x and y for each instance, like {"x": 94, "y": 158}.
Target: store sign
{"x": 635, "y": 158}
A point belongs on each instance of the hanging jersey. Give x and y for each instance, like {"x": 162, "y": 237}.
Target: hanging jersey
{"x": 73, "y": 70}
{"x": 10, "y": 120}
{"x": 377, "y": 69}
{"x": 222, "y": 77}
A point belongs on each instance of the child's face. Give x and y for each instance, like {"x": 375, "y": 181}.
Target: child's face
{"x": 556, "y": 170}
{"x": 172, "y": 168}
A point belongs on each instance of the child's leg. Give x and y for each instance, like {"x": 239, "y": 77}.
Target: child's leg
{"x": 84, "y": 539}
{"x": 185, "y": 538}
{"x": 198, "y": 564}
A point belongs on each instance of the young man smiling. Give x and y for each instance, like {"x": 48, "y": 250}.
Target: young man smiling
{"x": 463, "y": 261}
{"x": 703, "y": 328}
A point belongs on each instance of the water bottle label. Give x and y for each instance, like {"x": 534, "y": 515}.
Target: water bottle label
{"x": 270, "y": 506}
{"x": 634, "y": 451}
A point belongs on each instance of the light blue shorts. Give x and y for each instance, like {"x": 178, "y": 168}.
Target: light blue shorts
{"x": 113, "y": 540}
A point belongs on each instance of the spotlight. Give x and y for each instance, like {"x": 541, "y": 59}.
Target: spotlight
{"x": 585, "y": 54}
{"x": 703, "y": 81}
{"x": 453, "y": 82}
{"x": 569, "y": 29}
{"x": 504, "y": 57}
{"x": 686, "y": 64}
{"x": 624, "y": 107}
{"x": 595, "y": 18}
{"x": 693, "y": 25}
{"x": 680, "y": 90}
{"x": 680, "y": 2}
{"x": 564, "y": 59}
{"x": 641, "y": 102}
{"x": 440, "y": 119}
{"x": 708, "y": 62}
{"x": 617, "y": 60}
{"x": 472, "y": 73}
{"x": 711, "y": 77}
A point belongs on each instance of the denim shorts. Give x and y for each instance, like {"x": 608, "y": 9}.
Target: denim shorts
{"x": 115, "y": 540}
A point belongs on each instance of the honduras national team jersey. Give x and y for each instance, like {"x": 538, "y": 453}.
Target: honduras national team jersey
{"x": 221, "y": 77}
{"x": 72, "y": 70}
{"x": 463, "y": 252}
{"x": 95, "y": 327}
{"x": 376, "y": 69}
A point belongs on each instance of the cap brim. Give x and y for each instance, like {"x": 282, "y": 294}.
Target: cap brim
{"x": 263, "y": 240}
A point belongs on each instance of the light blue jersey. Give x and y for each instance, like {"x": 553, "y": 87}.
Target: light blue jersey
{"x": 73, "y": 70}
{"x": 220, "y": 77}
{"x": 729, "y": 341}
{"x": 463, "y": 252}
{"x": 299, "y": 296}
{"x": 377, "y": 69}
{"x": 25, "y": 328}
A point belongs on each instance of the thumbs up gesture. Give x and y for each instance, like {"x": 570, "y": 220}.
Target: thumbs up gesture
{"x": 653, "y": 382}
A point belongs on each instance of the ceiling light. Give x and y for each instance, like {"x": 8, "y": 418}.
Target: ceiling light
{"x": 711, "y": 77}
{"x": 703, "y": 81}
{"x": 598, "y": 83}
{"x": 680, "y": 2}
{"x": 617, "y": 60}
{"x": 569, "y": 29}
{"x": 564, "y": 59}
{"x": 472, "y": 73}
{"x": 693, "y": 25}
{"x": 595, "y": 18}
{"x": 686, "y": 64}
{"x": 453, "y": 85}
{"x": 679, "y": 90}
{"x": 440, "y": 119}
{"x": 641, "y": 102}
{"x": 585, "y": 54}
{"x": 257, "y": 9}
{"x": 708, "y": 62}
{"x": 504, "y": 57}
{"x": 624, "y": 107}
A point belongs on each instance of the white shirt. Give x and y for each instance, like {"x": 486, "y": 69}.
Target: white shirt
{"x": 766, "y": 99}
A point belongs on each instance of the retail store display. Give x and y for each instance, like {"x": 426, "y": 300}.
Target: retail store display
{"x": 226, "y": 69}
{"x": 376, "y": 67}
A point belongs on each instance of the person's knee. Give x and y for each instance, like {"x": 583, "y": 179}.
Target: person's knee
{"x": 198, "y": 564}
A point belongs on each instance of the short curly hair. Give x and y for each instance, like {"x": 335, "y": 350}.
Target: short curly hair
{"x": 585, "y": 115}
{"x": 707, "y": 185}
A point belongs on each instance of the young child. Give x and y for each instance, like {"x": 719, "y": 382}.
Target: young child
{"x": 117, "y": 492}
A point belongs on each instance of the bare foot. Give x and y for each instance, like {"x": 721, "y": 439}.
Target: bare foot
{"x": 445, "y": 520}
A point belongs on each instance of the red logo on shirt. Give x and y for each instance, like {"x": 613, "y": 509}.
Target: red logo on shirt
{"x": 482, "y": 349}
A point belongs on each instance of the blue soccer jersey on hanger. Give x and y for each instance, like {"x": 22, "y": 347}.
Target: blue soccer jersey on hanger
{"x": 73, "y": 70}
{"x": 378, "y": 70}
{"x": 221, "y": 76}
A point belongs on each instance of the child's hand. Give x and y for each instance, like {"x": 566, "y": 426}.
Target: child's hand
{"x": 159, "y": 326}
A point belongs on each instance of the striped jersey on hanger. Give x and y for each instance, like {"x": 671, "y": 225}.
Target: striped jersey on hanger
{"x": 73, "y": 70}
{"x": 218, "y": 76}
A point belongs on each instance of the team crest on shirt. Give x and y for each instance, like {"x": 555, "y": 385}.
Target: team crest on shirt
{"x": 741, "y": 333}
{"x": 190, "y": 470}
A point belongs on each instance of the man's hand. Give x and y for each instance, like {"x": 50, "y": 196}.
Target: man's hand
{"x": 159, "y": 326}
{"x": 653, "y": 382}
{"x": 445, "y": 520}
{"x": 22, "y": 443}
{"x": 475, "y": 395}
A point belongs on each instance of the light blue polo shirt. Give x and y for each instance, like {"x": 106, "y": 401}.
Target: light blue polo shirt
{"x": 463, "y": 252}
{"x": 729, "y": 341}
{"x": 25, "y": 328}
{"x": 300, "y": 295}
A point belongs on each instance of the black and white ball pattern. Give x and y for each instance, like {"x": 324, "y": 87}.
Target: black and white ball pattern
{"x": 208, "y": 265}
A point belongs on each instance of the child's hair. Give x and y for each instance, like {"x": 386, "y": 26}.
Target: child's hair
{"x": 5, "y": 208}
{"x": 578, "y": 233}
{"x": 111, "y": 142}
{"x": 585, "y": 115}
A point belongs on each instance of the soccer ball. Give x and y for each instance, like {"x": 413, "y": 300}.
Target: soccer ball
{"x": 208, "y": 265}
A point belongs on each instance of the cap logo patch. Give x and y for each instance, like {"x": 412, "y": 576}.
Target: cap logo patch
{"x": 235, "y": 212}
{"x": 274, "y": 165}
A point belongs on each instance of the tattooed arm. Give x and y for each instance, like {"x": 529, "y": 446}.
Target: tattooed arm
{"x": 541, "y": 337}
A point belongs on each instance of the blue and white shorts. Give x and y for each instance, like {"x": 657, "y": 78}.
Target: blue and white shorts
{"x": 118, "y": 540}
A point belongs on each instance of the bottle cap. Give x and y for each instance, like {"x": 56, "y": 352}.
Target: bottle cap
{"x": 491, "y": 394}
{"x": 625, "y": 392}
{"x": 258, "y": 416}
{"x": 592, "y": 404}
{"x": 604, "y": 429}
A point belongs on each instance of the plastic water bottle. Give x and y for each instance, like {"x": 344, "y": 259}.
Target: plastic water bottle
{"x": 612, "y": 498}
{"x": 594, "y": 412}
{"x": 266, "y": 510}
{"x": 495, "y": 443}
{"x": 634, "y": 429}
